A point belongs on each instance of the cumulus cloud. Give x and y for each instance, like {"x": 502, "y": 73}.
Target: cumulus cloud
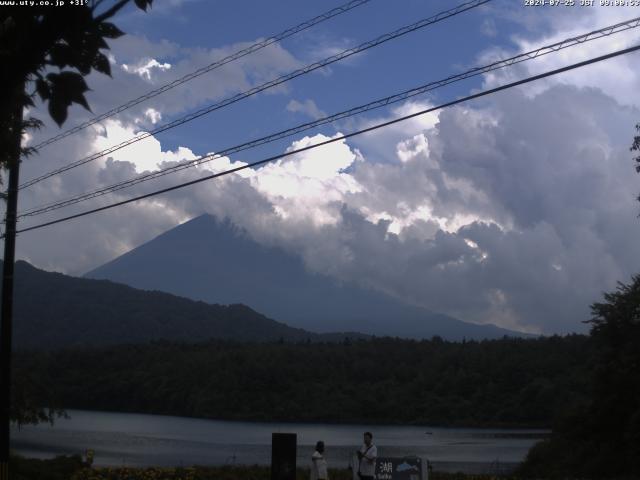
{"x": 152, "y": 115}
{"x": 616, "y": 77}
{"x": 519, "y": 214}
{"x": 145, "y": 155}
{"x": 308, "y": 185}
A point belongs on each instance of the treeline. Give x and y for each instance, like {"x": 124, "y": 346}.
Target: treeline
{"x": 71, "y": 311}
{"x": 508, "y": 382}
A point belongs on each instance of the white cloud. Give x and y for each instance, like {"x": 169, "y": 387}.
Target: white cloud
{"x": 519, "y": 214}
{"x": 384, "y": 144}
{"x": 145, "y": 155}
{"x": 616, "y": 77}
{"x": 145, "y": 68}
{"x": 307, "y": 107}
{"x": 307, "y": 185}
{"x": 153, "y": 115}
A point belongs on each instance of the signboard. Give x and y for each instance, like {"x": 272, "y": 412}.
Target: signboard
{"x": 396, "y": 468}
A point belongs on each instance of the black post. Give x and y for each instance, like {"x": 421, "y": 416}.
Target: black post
{"x": 13, "y": 165}
{"x": 283, "y": 456}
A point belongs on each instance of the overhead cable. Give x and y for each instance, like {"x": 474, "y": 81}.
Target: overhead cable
{"x": 270, "y": 84}
{"x": 530, "y": 55}
{"x": 339, "y": 138}
{"x": 212, "y": 66}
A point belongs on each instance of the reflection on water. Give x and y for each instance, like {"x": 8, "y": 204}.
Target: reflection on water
{"x": 142, "y": 440}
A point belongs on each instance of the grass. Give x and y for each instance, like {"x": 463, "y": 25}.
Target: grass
{"x": 73, "y": 468}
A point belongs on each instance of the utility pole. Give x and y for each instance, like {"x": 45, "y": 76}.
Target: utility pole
{"x": 13, "y": 165}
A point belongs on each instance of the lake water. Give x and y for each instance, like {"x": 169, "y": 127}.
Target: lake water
{"x": 145, "y": 440}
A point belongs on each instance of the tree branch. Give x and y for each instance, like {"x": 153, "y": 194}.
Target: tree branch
{"x": 96, "y": 4}
{"x": 111, "y": 12}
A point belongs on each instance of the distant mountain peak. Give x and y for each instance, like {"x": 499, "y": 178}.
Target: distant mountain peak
{"x": 216, "y": 261}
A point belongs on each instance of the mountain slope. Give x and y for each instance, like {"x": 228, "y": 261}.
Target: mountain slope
{"x": 213, "y": 261}
{"x": 52, "y": 310}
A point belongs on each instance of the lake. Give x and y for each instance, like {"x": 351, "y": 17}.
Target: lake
{"x": 145, "y": 440}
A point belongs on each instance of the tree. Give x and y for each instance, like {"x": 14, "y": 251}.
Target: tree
{"x": 37, "y": 39}
{"x": 635, "y": 147}
{"x": 602, "y": 439}
{"x": 45, "y": 50}
{"x": 615, "y": 411}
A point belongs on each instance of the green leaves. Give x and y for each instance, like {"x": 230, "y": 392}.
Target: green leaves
{"x": 109, "y": 30}
{"x": 61, "y": 55}
{"x": 65, "y": 88}
{"x": 101, "y": 64}
{"x": 636, "y": 147}
{"x": 43, "y": 89}
{"x": 143, "y": 4}
{"x": 71, "y": 42}
{"x": 77, "y": 46}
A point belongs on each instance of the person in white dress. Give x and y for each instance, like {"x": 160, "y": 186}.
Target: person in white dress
{"x": 319, "y": 470}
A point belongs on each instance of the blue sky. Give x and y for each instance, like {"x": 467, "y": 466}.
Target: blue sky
{"x": 428, "y": 54}
{"x": 518, "y": 209}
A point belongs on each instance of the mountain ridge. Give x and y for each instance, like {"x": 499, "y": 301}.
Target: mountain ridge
{"x": 53, "y": 310}
{"x": 217, "y": 262}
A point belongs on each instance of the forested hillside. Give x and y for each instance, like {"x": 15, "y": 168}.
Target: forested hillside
{"x": 54, "y": 311}
{"x": 509, "y": 382}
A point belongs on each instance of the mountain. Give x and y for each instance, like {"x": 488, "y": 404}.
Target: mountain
{"x": 214, "y": 261}
{"x": 52, "y": 310}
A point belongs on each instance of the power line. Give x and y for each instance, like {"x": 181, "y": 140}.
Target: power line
{"x": 272, "y": 83}
{"x": 530, "y": 55}
{"x": 342, "y": 137}
{"x": 212, "y": 66}
{"x": 240, "y": 96}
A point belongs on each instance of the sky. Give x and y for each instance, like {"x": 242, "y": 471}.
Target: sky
{"x": 517, "y": 209}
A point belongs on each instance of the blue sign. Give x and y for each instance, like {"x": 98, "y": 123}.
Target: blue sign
{"x": 395, "y": 468}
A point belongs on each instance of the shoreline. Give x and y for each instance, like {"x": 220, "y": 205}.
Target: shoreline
{"x": 544, "y": 430}
{"x": 139, "y": 440}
